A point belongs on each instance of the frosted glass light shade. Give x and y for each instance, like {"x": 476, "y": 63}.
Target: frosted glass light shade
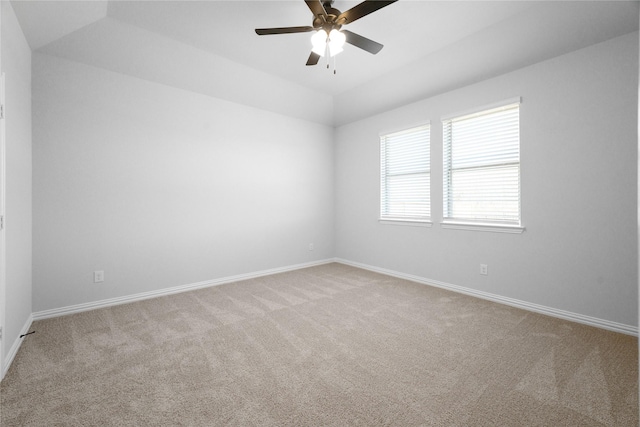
{"x": 319, "y": 42}
{"x": 336, "y": 42}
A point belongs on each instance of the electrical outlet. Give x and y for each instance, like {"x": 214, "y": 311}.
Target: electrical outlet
{"x": 484, "y": 270}
{"x": 98, "y": 276}
{"x": 310, "y": 246}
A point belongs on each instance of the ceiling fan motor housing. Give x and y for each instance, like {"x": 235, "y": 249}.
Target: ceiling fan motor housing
{"x": 327, "y": 23}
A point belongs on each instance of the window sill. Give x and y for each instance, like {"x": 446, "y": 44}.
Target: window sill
{"x": 495, "y": 228}
{"x": 406, "y": 222}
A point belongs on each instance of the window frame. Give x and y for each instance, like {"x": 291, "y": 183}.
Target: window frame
{"x": 475, "y": 224}
{"x": 385, "y": 218}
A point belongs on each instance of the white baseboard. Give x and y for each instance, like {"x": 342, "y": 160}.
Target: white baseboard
{"x": 549, "y": 311}
{"x": 63, "y": 311}
{"x": 14, "y": 348}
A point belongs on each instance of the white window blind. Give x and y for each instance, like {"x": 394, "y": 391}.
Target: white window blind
{"x": 482, "y": 166}
{"x": 405, "y": 175}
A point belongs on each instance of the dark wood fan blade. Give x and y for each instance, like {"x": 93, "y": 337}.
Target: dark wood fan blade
{"x": 316, "y": 7}
{"x": 363, "y": 9}
{"x": 313, "y": 59}
{"x": 284, "y": 30}
{"x": 362, "y": 42}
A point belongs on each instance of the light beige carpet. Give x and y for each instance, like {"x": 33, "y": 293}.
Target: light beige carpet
{"x": 329, "y": 345}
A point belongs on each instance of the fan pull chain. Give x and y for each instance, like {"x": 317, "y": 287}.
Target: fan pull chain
{"x": 327, "y": 55}
{"x": 326, "y": 51}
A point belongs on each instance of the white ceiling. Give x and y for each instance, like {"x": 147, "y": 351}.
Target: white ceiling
{"x": 210, "y": 47}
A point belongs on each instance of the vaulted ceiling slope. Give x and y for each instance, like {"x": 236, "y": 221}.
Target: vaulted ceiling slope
{"x": 210, "y": 47}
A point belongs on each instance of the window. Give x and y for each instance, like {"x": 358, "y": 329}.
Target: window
{"x": 405, "y": 175}
{"x": 482, "y": 166}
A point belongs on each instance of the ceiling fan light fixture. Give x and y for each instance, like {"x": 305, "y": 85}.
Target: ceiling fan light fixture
{"x": 319, "y": 42}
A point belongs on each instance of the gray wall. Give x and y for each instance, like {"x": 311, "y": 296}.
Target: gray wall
{"x": 579, "y": 189}
{"x": 16, "y": 63}
{"x": 161, "y": 187}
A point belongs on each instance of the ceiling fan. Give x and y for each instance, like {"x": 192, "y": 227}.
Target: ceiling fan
{"x": 328, "y": 22}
